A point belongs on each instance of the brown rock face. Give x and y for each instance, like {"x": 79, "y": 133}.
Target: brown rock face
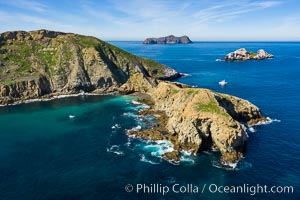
{"x": 199, "y": 119}
{"x": 28, "y": 89}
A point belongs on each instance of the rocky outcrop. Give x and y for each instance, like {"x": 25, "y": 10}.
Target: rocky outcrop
{"x": 24, "y": 89}
{"x": 43, "y": 63}
{"x": 243, "y": 54}
{"x": 139, "y": 83}
{"x": 171, "y": 39}
{"x": 199, "y": 119}
{"x": 68, "y": 63}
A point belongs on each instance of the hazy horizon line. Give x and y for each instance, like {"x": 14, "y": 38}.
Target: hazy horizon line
{"x": 210, "y": 40}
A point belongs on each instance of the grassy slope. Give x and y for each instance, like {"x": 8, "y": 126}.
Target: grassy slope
{"x": 27, "y": 59}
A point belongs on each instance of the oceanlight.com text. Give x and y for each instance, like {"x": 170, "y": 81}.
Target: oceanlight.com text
{"x": 208, "y": 188}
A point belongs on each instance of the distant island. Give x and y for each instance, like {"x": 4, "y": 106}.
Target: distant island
{"x": 171, "y": 39}
{"x": 243, "y": 54}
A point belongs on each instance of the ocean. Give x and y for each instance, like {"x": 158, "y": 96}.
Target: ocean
{"x": 78, "y": 147}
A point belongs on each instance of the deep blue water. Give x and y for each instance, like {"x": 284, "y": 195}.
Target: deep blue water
{"x": 45, "y": 154}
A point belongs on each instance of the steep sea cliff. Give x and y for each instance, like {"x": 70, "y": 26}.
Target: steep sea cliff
{"x": 38, "y": 63}
{"x": 46, "y": 63}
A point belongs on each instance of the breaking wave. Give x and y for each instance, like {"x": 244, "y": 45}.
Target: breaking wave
{"x": 231, "y": 166}
{"x": 269, "y": 121}
{"x": 144, "y": 159}
{"x": 52, "y": 98}
{"x": 116, "y": 126}
{"x": 115, "y": 149}
{"x": 159, "y": 147}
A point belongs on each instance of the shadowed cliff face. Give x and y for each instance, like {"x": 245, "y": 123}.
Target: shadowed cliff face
{"x": 67, "y": 63}
{"x": 198, "y": 119}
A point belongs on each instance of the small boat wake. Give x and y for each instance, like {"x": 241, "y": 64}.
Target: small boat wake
{"x": 223, "y": 83}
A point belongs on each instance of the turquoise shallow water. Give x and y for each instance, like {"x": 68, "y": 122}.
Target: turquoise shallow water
{"x": 45, "y": 154}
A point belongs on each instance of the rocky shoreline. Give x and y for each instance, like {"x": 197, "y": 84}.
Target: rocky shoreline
{"x": 41, "y": 63}
{"x": 195, "y": 119}
{"x": 45, "y": 64}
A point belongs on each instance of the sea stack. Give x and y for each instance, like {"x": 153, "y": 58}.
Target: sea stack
{"x": 243, "y": 54}
{"x": 171, "y": 39}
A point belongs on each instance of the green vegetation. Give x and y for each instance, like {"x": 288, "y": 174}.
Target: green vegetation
{"x": 23, "y": 58}
{"x": 48, "y": 57}
{"x": 252, "y": 54}
{"x": 152, "y": 64}
{"x": 124, "y": 58}
{"x": 191, "y": 91}
{"x": 174, "y": 91}
{"x": 18, "y": 56}
{"x": 212, "y": 107}
{"x": 8, "y": 82}
{"x": 24, "y": 67}
{"x": 67, "y": 53}
{"x": 85, "y": 41}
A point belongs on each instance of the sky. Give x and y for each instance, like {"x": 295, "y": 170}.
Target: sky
{"x": 201, "y": 20}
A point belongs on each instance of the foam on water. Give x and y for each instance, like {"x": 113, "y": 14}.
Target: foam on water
{"x": 128, "y": 143}
{"x": 184, "y": 74}
{"x": 215, "y": 149}
{"x": 186, "y": 157}
{"x": 269, "y": 121}
{"x": 144, "y": 159}
{"x": 115, "y": 149}
{"x": 159, "y": 147}
{"x": 231, "y": 166}
{"x": 130, "y": 114}
{"x": 116, "y": 126}
{"x": 135, "y": 102}
{"x": 139, "y": 106}
{"x": 251, "y": 129}
{"x": 51, "y": 98}
{"x": 137, "y": 128}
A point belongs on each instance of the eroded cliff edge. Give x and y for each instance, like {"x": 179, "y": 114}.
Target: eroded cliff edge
{"x": 40, "y": 64}
{"x": 43, "y": 63}
{"x": 195, "y": 119}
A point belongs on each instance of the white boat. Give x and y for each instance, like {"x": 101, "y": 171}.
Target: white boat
{"x": 223, "y": 83}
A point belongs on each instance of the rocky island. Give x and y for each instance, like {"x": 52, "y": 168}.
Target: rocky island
{"x": 171, "y": 39}
{"x": 42, "y": 64}
{"x": 243, "y": 54}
